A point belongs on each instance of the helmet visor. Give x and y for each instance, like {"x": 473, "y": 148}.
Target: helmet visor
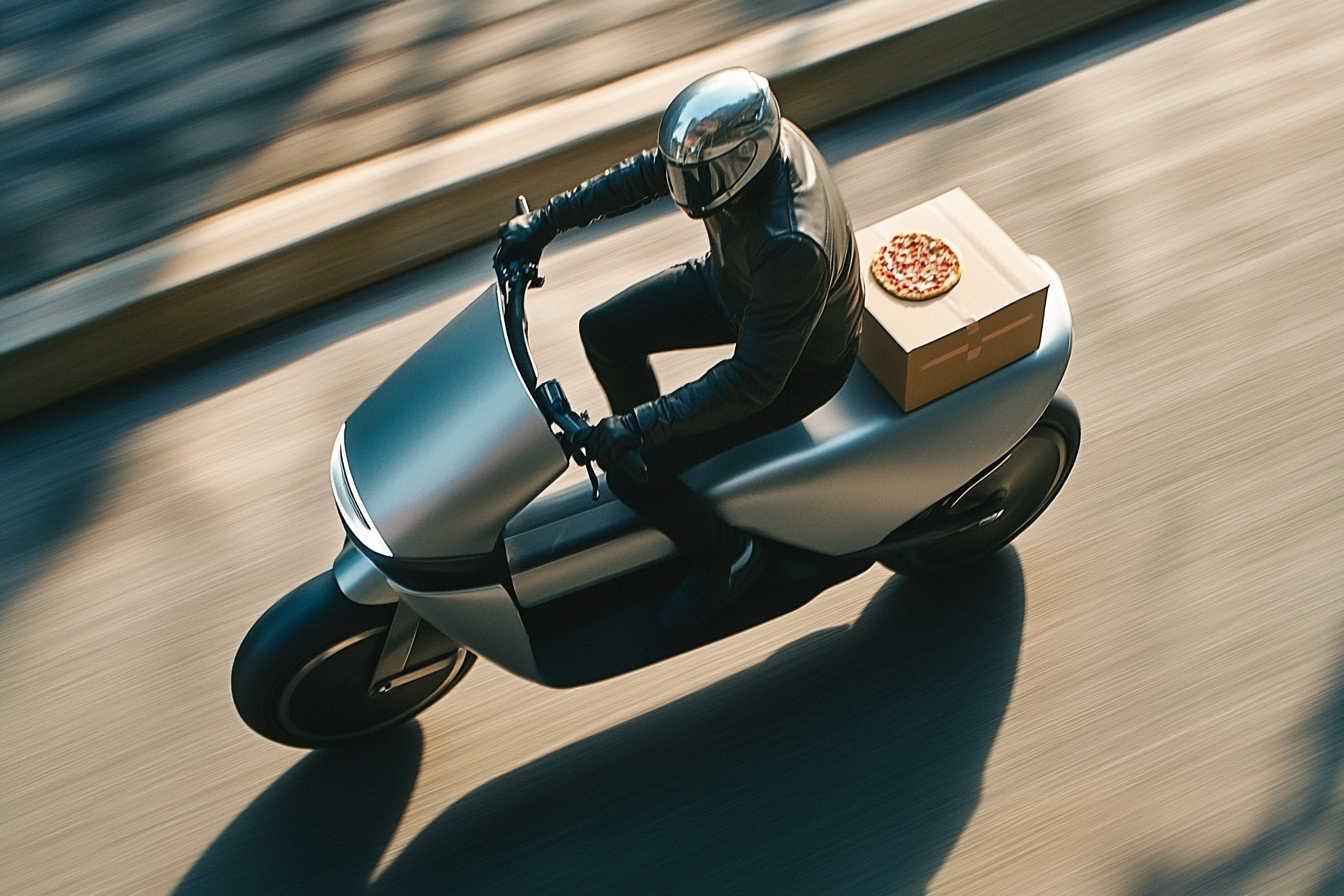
{"x": 704, "y": 186}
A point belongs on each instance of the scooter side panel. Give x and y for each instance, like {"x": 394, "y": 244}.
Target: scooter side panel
{"x": 858, "y": 467}
{"x": 451, "y": 445}
{"x": 485, "y": 620}
{"x": 567, "y": 541}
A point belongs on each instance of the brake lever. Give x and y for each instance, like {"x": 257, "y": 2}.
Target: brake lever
{"x": 582, "y": 459}
{"x": 592, "y": 477}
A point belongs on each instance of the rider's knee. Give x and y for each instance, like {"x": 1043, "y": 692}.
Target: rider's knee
{"x": 621, "y": 485}
{"x": 595, "y": 333}
{"x": 627, "y": 487}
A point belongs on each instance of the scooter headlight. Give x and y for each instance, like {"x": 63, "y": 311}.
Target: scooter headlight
{"x": 352, "y": 509}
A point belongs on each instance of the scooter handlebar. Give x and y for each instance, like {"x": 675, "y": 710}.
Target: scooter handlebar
{"x": 571, "y": 423}
{"x": 554, "y": 404}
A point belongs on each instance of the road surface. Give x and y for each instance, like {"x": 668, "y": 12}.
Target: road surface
{"x": 1144, "y": 696}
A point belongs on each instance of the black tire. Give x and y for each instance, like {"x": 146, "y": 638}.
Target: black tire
{"x": 1030, "y": 476}
{"x": 301, "y": 676}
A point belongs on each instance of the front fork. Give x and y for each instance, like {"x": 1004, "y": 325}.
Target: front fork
{"x": 394, "y": 666}
{"x": 412, "y": 648}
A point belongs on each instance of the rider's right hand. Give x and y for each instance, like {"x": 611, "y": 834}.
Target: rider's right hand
{"x": 522, "y": 238}
{"x": 610, "y": 439}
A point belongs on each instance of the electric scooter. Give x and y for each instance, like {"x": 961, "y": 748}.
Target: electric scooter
{"x": 451, "y": 553}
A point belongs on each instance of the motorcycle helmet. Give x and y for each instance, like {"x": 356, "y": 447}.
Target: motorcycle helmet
{"x": 716, "y": 136}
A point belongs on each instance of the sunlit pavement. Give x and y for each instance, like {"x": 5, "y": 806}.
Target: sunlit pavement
{"x": 1144, "y": 697}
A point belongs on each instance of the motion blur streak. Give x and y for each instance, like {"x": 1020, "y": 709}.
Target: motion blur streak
{"x": 1142, "y": 699}
{"x": 121, "y": 120}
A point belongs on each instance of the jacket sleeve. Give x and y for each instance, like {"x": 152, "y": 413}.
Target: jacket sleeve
{"x": 788, "y": 294}
{"x": 635, "y": 182}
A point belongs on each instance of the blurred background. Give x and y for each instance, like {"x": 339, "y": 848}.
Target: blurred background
{"x": 1143, "y": 696}
{"x": 122, "y": 120}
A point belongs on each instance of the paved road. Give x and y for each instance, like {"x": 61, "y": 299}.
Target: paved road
{"x": 1145, "y": 697}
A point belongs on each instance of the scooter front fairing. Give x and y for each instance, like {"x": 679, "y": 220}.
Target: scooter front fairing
{"x": 433, "y": 464}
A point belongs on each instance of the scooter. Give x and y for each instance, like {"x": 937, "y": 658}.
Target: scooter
{"x": 450, "y": 553}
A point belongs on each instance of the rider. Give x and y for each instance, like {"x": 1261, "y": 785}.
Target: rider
{"x": 782, "y": 280}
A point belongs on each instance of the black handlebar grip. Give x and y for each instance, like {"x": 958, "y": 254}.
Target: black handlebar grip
{"x": 520, "y": 206}
{"x": 632, "y": 464}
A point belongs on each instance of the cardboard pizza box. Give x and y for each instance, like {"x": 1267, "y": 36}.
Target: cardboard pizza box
{"x": 920, "y": 351}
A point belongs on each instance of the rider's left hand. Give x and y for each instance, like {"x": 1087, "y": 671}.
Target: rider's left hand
{"x": 610, "y": 438}
{"x": 521, "y": 238}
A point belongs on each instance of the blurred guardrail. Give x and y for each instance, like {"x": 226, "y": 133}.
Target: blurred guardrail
{"x": 307, "y": 243}
{"x": 123, "y": 120}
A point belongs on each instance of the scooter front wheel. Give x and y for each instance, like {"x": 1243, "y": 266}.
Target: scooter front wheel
{"x": 302, "y": 675}
{"x": 1024, "y": 482}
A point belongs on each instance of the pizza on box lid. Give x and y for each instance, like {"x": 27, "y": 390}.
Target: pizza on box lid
{"x": 972, "y": 316}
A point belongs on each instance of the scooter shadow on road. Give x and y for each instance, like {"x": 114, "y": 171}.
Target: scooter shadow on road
{"x": 321, "y": 828}
{"x": 850, "y": 760}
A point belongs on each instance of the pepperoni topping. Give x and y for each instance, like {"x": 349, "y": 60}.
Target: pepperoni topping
{"x": 916, "y": 266}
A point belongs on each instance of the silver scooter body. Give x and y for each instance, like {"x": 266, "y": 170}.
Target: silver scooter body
{"x": 440, "y": 467}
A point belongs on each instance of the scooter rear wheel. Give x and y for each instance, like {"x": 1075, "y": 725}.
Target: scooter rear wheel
{"x": 1029, "y": 478}
{"x": 301, "y": 676}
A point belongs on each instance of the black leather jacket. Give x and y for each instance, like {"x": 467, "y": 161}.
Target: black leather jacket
{"x": 783, "y": 257}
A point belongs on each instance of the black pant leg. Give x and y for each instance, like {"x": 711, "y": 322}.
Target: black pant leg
{"x": 688, "y": 519}
{"x": 674, "y": 309}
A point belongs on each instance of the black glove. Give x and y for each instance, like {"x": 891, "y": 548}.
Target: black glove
{"x": 522, "y": 238}
{"x": 609, "y": 439}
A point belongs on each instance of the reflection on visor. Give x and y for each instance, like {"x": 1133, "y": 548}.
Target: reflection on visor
{"x": 695, "y": 187}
